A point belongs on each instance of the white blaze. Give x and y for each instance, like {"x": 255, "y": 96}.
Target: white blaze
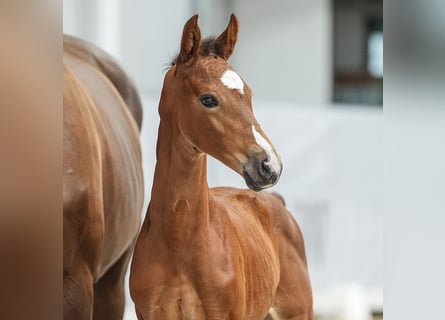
{"x": 232, "y": 81}
{"x": 273, "y": 160}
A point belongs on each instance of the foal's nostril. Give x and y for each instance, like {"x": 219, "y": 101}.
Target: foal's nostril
{"x": 266, "y": 170}
{"x": 266, "y": 166}
{"x": 260, "y": 174}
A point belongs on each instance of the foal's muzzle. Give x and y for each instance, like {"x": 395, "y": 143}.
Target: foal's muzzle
{"x": 259, "y": 174}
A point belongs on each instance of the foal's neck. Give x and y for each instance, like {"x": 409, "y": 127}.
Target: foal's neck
{"x": 180, "y": 194}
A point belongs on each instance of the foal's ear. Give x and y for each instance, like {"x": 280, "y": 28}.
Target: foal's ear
{"x": 227, "y": 40}
{"x": 191, "y": 40}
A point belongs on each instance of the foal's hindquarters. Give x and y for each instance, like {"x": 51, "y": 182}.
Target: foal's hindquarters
{"x": 250, "y": 263}
{"x": 293, "y": 298}
{"x": 265, "y": 228}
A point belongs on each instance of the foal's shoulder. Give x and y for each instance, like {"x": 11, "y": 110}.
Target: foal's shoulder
{"x": 263, "y": 198}
{"x": 264, "y": 204}
{"x": 235, "y": 195}
{"x": 269, "y": 208}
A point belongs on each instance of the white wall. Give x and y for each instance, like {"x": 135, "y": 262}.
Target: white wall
{"x": 151, "y": 34}
{"x": 142, "y": 35}
{"x": 80, "y": 19}
{"x": 213, "y": 15}
{"x": 283, "y": 52}
{"x": 284, "y": 49}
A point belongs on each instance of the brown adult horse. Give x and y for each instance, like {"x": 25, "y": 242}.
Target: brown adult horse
{"x": 218, "y": 253}
{"x": 102, "y": 181}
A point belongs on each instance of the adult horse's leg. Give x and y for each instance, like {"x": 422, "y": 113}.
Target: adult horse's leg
{"x": 81, "y": 249}
{"x": 109, "y": 291}
{"x": 78, "y": 293}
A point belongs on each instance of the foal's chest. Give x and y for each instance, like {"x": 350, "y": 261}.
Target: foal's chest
{"x": 179, "y": 300}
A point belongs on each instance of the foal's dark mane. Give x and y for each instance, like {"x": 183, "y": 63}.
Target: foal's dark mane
{"x": 209, "y": 47}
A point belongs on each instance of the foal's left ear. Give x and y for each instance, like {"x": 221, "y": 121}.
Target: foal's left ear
{"x": 227, "y": 40}
{"x": 191, "y": 40}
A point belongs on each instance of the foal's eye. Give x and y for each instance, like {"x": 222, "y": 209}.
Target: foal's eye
{"x": 209, "y": 101}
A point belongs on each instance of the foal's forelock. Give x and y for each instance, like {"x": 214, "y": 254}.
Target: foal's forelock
{"x": 209, "y": 47}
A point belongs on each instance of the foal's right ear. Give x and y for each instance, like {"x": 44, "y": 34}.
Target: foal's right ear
{"x": 227, "y": 40}
{"x": 191, "y": 40}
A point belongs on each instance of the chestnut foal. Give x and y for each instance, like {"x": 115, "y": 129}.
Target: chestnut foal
{"x": 219, "y": 253}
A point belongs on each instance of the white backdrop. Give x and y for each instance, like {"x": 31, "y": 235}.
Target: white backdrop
{"x": 287, "y": 42}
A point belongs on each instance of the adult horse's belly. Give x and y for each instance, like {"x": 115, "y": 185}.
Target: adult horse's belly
{"x": 103, "y": 186}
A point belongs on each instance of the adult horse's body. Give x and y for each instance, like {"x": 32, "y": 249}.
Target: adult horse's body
{"x": 102, "y": 181}
{"x": 218, "y": 253}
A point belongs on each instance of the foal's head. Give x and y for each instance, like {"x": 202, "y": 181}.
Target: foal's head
{"x": 212, "y": 107}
